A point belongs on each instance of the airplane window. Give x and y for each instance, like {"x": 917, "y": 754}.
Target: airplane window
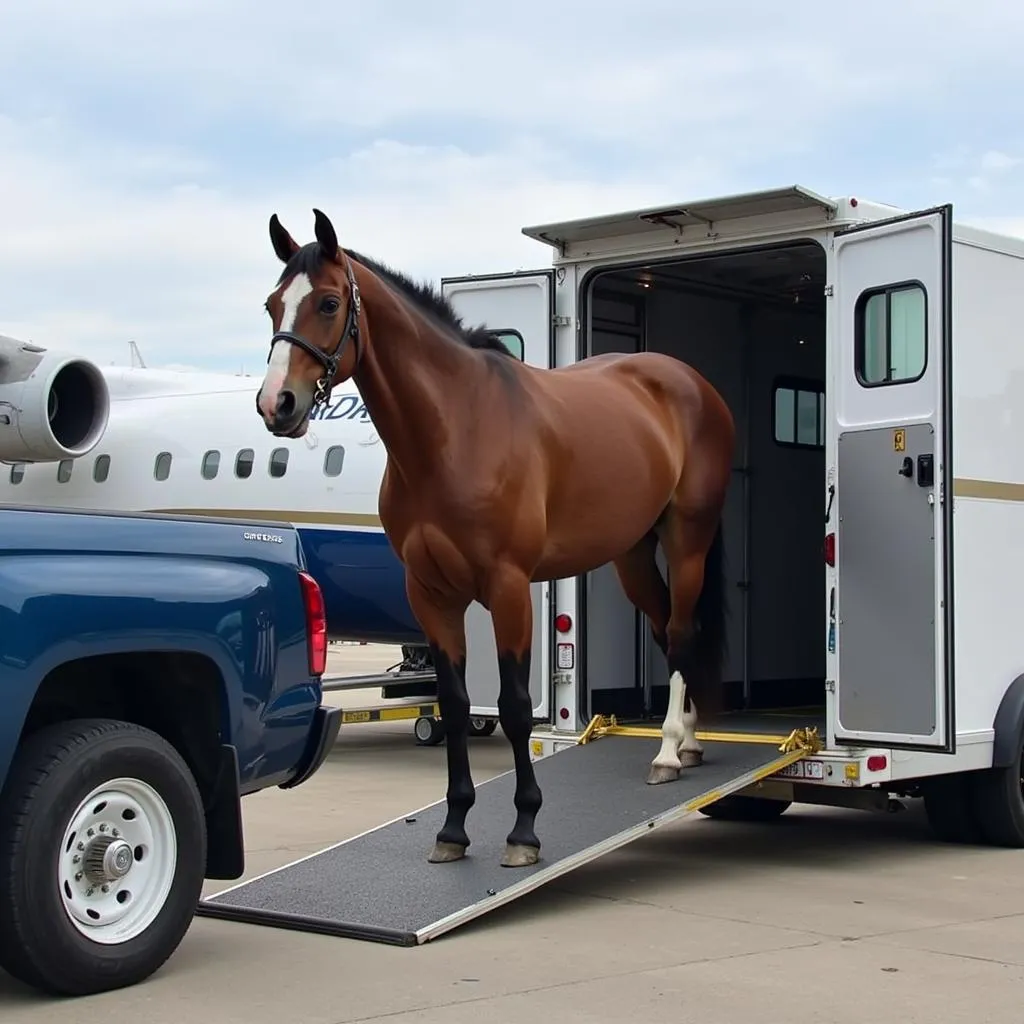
{"x": 278, "y": 462}
{"x": 17, "y": 472}
{"x": 64, "y": 468}
{"x": 211, "y": 463}
{"x": 334, "y": 460}
{"x": 162, "y": 467}
{"x": 243, "y": 464}
{"x": 101, "y": 468}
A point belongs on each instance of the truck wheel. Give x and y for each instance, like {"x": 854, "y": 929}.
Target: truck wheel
{"x": 949, "y": 808}
{"x": 999, "y": 803}
{"x": 482, "y": 726}
{"x": 102, "y": 856}
{"x": 429, "y": 732}
{"x": 745, "y": 808}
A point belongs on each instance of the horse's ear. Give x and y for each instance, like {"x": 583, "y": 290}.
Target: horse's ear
{"x": 326, "y": 235}
{"x": 284, "y": 245}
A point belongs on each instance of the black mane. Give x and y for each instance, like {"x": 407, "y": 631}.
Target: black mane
{"x": 309, "y": 260}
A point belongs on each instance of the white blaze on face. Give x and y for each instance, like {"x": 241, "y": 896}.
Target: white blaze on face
{"x": 277, "y": 369}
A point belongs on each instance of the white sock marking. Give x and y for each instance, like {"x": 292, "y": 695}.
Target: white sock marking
{"x": 673, "y": 729}
{"x": 280, "y": 357}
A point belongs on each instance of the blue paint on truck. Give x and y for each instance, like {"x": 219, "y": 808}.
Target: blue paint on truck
{"x": 198, "y": 631}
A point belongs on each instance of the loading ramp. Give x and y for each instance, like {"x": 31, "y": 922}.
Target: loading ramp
{"x": 379, "y": 887}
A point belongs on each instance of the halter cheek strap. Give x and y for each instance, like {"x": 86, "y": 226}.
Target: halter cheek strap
{"x": 330, "y": 361}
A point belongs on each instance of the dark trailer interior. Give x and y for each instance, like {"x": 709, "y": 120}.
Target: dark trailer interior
{"x": 754, "y": 324}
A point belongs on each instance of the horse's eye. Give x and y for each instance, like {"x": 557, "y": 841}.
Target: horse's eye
{"x": 329, "y": 306}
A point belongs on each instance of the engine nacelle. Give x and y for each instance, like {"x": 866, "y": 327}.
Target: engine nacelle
{"x": 53, "y": 405}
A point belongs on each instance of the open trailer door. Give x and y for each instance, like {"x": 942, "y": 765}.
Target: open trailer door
{"x": 519, "y": 308}
{"x": 893, "y": 501}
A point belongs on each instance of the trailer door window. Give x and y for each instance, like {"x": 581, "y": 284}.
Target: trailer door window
{"x": 513, "y": 341}
{"x": 891, "y": 334}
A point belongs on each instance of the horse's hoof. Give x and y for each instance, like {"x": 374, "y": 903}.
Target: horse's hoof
{"x": 445, "y": 853}
{"x": 691, "y": 758}
{"x": 661, "y": 773}
{"x": 519, "y": 856}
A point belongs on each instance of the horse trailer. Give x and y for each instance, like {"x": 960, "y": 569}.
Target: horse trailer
{"x": 869, "y": 357}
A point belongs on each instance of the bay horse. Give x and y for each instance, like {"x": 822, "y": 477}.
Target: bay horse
{"x": 498, "y": 474}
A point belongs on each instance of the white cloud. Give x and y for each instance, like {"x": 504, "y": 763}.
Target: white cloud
{"x": 147, "y": 146}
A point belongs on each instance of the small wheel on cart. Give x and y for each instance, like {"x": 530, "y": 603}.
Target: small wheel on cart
{"x": 429, "y": 731}
{"x": 745, "y": 808}
{"x": 482, "y": 726}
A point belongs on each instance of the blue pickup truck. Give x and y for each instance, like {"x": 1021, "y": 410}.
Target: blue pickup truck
{"x": 153, "y": 670}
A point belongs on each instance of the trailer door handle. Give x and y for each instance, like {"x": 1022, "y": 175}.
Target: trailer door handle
{"x": 907, "y": 469}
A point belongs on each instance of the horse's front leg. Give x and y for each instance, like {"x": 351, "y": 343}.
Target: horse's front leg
{"x": 444, "y": 624}
{"x": 512, "y": 613}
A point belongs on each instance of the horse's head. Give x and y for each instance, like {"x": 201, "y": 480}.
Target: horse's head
{"x": 315, "y": 312}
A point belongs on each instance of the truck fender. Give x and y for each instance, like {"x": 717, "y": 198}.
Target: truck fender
{"x": 1009, "y": 726}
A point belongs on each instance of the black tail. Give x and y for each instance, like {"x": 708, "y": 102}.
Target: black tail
{"x": 707, "y": 657}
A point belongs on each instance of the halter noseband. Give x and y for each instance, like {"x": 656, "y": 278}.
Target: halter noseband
{"x": 329, "y": 362}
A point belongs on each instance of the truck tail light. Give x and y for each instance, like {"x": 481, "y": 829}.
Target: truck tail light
{"x": 316, "y": 624}
{"x": 830, "y": 549}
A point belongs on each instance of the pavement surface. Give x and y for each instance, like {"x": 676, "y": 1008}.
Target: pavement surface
{"x": 842, "y": 917}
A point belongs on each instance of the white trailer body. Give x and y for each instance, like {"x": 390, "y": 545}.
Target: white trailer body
{"x": 871, "y": 359}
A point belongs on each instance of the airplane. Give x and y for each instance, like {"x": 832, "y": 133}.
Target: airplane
{"x": 130, "y": 438}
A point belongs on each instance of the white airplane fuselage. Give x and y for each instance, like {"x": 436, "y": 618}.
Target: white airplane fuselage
{"x": 193, "y": 442}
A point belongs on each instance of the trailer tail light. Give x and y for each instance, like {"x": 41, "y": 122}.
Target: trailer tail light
{"x": 830, "y": 549}
{"x": 563, "y": 623}
{"x": 316, "y": 624}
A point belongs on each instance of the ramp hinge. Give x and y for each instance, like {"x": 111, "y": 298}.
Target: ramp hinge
{"x": 829, "y": 290}
{"x": 561, "y": 321}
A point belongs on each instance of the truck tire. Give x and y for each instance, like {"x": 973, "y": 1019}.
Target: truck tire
{"x": 482, "y": 726}
{"x": 745, "y": 808}
{"x": 102, "y": 856}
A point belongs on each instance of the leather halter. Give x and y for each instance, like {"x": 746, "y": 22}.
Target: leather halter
{"x": 329, "y": 361}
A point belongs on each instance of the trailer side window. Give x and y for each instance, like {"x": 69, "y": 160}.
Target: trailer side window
{"x": 798, "y": 413}
{"x": 513, "y": 341}
{"x": 891, "y": 333}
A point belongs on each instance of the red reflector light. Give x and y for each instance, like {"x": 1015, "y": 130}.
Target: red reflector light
{"x": 563, "y": 623}
{"x": 876, "y": 762}
{"x": 316, "y": 624}
{"x": 830, "y": 549}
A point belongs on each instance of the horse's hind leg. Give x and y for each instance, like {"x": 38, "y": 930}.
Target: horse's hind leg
{"x": 686, "y": 544}
{"x": 445, "y": 627}
{"x": 644, "y": 586}
{"x": 511, "y": 608}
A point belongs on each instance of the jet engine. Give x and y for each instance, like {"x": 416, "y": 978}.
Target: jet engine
{"x": 53, "y": 405}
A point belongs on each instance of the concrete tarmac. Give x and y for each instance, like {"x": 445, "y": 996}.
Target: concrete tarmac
{"x": 836, "y": 916}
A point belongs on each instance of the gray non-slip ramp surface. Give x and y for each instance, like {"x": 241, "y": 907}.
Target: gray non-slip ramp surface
{"x": 379, "y": 886}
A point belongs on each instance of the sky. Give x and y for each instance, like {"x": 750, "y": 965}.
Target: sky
{"x": 144, "y": 145}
